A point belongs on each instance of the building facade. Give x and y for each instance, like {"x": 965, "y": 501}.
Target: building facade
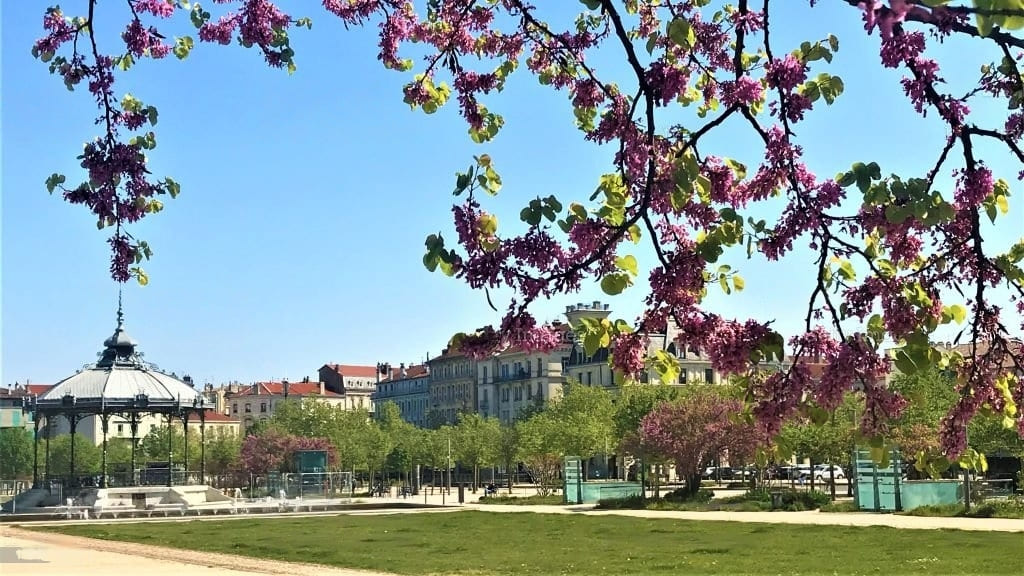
{"x": 355, "y": 384}
{"x": 452, "y": 387}
{"x": 409, "y": 389}
{"x": 515, "y": 380}
{"x": 258, "y": 401}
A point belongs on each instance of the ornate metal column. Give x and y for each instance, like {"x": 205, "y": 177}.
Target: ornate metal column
{"x": 73, "y": 420}
{"x": 170, "y": 448}
{"x": 104, "y": 421}
{"x": 35, "y": 452}
{"x": 133, "y": 423}
{"x": 47, "y": 445}
{"x": 202, "y": 447}
{"x": 184, "y": 430}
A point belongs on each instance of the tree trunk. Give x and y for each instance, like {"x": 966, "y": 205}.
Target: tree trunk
{"x": 832, "y": 481}
{"x": 657, "y": 481}
{"x": 693, "y": 484}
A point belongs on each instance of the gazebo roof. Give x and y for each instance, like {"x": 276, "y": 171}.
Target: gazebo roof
{"x": 120, "y": 381}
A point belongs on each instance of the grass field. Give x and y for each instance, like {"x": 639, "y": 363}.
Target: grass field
{"x": 480, "y": 543}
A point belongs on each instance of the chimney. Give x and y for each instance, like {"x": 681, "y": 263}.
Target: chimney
{"x": 284, "y": 386}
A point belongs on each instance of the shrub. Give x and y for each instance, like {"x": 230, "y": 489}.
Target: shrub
{"x": 682, "y": 495}
{"x": 792, "y": 500}
{"x": 843, "y": 506}
{"x": 627, "y": 503}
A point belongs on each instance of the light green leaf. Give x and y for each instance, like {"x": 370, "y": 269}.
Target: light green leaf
{"x": 681, "y": 33}
{"x": 627, "y": 263}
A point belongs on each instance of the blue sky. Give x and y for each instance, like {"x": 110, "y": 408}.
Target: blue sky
{"x": 305, "y": 199}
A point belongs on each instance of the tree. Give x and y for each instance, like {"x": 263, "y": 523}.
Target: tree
{"x": 634, "y": 404}
{"x": 893, "y": 246}
{"x": 541, "y": 448}
{"x": 223, "y": 448}
{"x": 272, "y": 451}
{"x": 823, "y": 437}
{"x": 507, "y": 453}
{"x": 695, "y": 429}
{"x": 585, "y": 415}
{"x": 16, "y": 445}
{"x": 312, "y": 419}
{"x": 476, "y": 442}
{"x": 153, "y": 446}
{"x": 87, "y": 456}
{"x": 918, "y": 431}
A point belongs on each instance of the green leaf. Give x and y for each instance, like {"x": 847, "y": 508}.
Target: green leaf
{"x": 738, "y": 283}
{"x": 723, "y": 281}
{"x": 592, "y": 4}
{"x": 634, "y": 233}
{"x": 681, "y": 33}
{"x": 627, "y": 263}
{"x": 53, "y": 181}
{"x": 958, "y": 312}
{"x": 1002, "y": 203}
{"x": 615, "y": 283}
{"x": 182, "y": 47}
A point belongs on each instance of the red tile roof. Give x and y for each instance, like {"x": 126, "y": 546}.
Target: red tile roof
{"x": 27, "y": 389}
{"x": 214, "y": 416}
{"x": 352, "y": 370}
{"x": 410, "y": 372}
{"x": 277, "y": 389}
{"x": 38, "y": 389}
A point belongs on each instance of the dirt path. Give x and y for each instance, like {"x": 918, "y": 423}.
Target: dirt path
{"x": 811, "y": 517}
{"x": 28, "y": 553}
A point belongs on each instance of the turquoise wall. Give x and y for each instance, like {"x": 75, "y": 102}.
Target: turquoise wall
{"x": 594, "y": 491}
{"x": 917, "y": 493}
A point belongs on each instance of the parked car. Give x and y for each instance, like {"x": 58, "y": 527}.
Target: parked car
{"x": 821, "y": 472}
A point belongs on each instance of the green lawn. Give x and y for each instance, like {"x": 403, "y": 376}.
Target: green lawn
{"x": 479, "y": 543}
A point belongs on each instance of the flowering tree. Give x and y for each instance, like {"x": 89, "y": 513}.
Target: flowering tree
{"x": 894, "y": 251}
{"x": 696, "y": 429}
{"x": 272, "y": 451}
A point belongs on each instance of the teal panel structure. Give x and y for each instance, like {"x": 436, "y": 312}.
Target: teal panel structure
{"x": 310, "y": 461}
{"x": 878, "y": 489}
{"x": 572, "y": 474}
{"x": 917, "y": 493}
{"x": 577, "y": 491}
{"x": 594, "y": 492}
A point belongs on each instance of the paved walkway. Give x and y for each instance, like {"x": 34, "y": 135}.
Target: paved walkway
{"x": 24, "y": 553}
{"x": 812, "y": 517}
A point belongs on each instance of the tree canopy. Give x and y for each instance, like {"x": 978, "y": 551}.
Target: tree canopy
{"x": 898, "y": 254}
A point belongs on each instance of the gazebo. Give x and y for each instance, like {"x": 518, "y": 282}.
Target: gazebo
{"x": 119, "y": 384}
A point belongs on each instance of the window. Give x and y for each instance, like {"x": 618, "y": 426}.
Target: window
{"x": 120, "y": 428}
{"x": 485, "y": 374}
{"x": 589, "y": 378}
{"x": 234, "y": 408}
{"x": 248, "y": 408}
{"x": 485, "y": 395}
{"x": 263, "y": 407}
{"x": 529, "y": 392}
{"x": 709, "y": 375}
{"x": 538, "y": 366}
{"x": 682, "y": 376}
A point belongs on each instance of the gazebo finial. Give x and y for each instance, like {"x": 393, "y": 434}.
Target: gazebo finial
{"x": 120, "y": 309}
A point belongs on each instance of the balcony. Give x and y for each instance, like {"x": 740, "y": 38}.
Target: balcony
{"x": 513, "y": 375}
